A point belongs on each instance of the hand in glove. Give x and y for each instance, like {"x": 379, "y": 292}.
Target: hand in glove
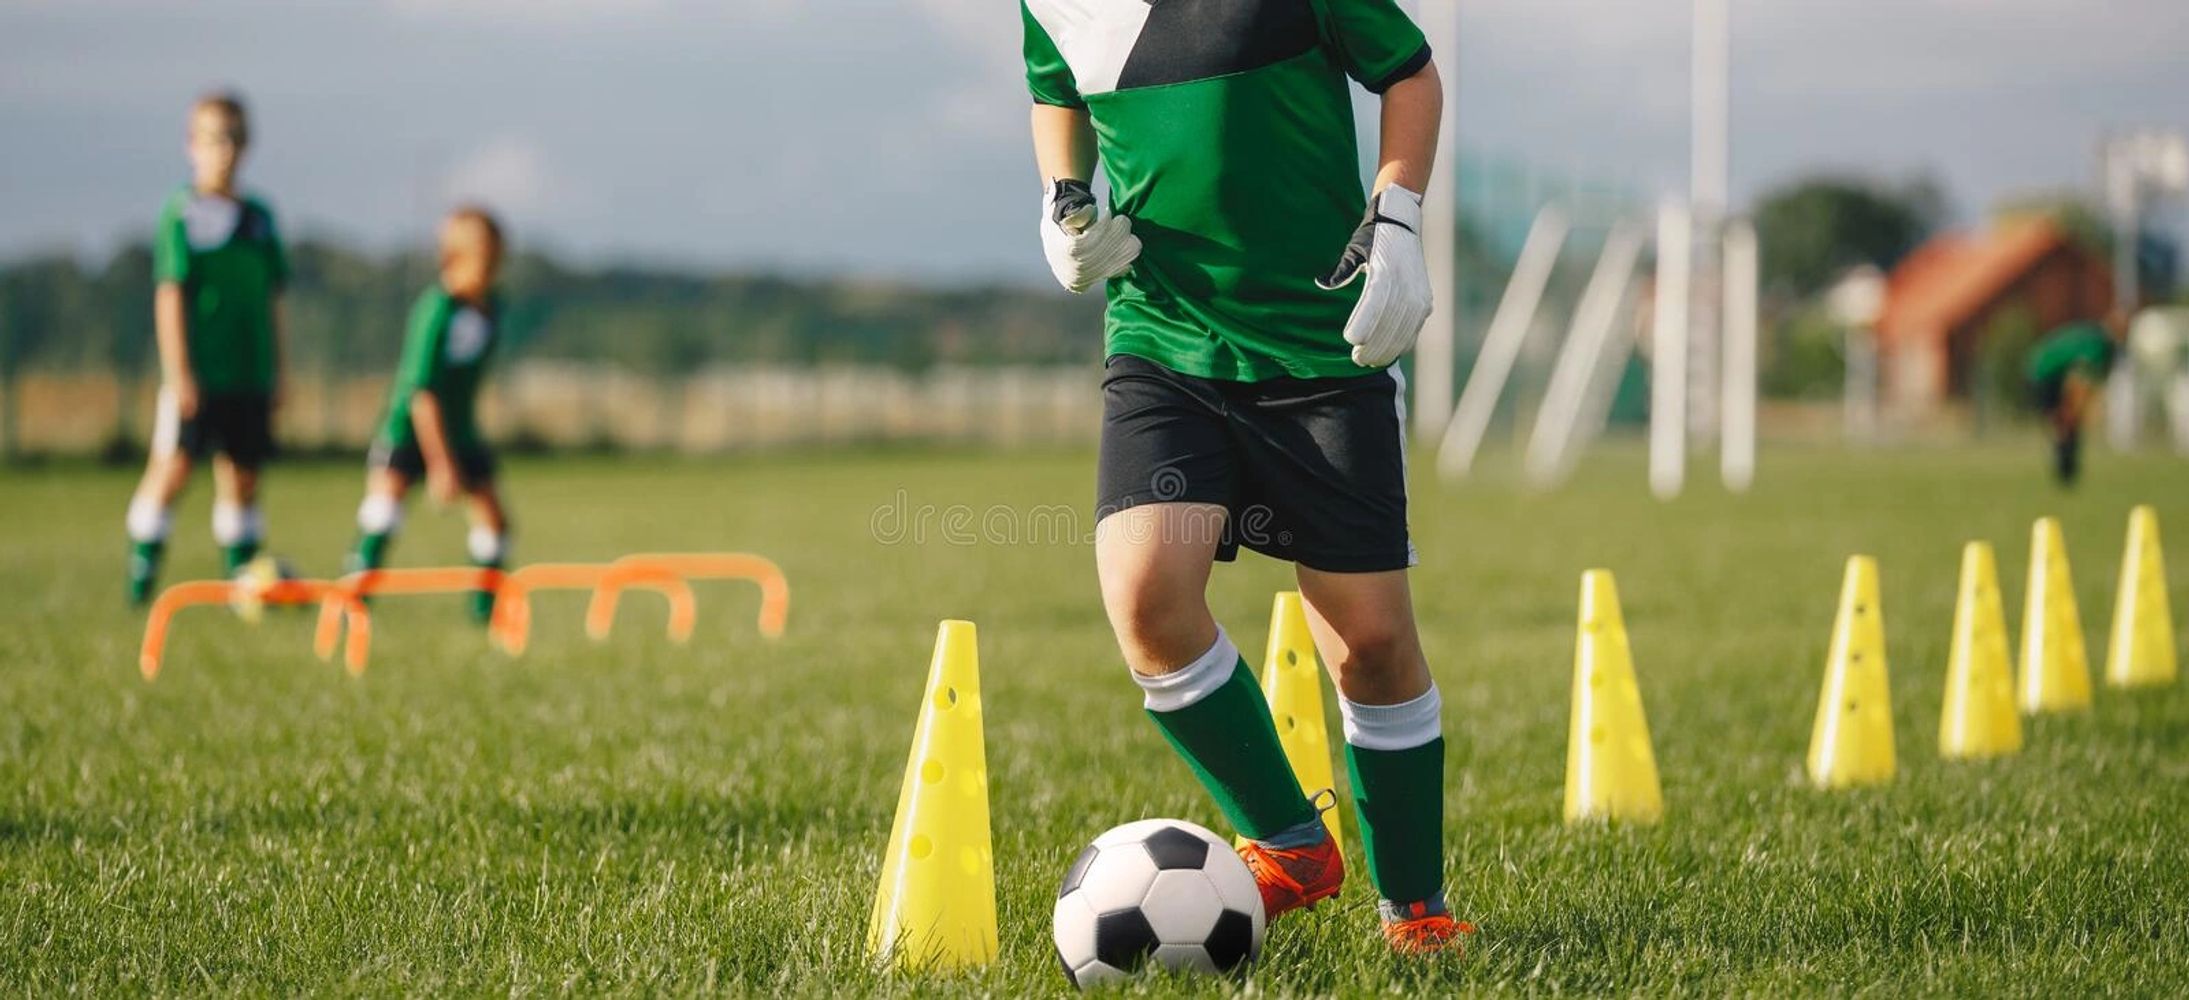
{"x": 1084, "y": 248}
{"x": 1396, "y": 300}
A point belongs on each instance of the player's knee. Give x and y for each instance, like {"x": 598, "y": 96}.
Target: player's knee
{"x": 1160, "y": 625}
{"x": 1376, "y": 649}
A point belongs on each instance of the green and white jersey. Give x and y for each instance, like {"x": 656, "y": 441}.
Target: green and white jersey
{"x": 445, "y": 352}
{"x": 2082, "y": 348}
{"x": 1225, "y": 129}
{"x": 227, "y": 257}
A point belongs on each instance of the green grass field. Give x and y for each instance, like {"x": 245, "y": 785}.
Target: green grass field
{"x": 637, "y": 817}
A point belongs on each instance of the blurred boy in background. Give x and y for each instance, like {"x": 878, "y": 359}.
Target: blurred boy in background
{"x": 431, "y": 430}
{"x": 217, "y": 316}
{"x": 2067, "y": 368}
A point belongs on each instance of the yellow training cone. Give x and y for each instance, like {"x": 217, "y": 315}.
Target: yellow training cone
{"x": 1979, "y": 718}
{"x": 2142, "y": 651}
{"x": 1852, "y": 743}
{"x": 1611, "y": 773}
{"x": 1292, "y": 680}
{"x": 937, "y": 903}
{"x": 2055, "y": 663}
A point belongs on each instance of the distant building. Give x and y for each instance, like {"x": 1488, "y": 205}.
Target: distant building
{"x": 1949, "y": 298}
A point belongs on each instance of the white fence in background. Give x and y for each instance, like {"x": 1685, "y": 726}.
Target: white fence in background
{"x": 567, "y": 405}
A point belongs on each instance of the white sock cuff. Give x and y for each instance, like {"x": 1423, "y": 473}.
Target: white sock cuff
{"x": 147, "y": 521}
{"x": 234, "y": 524}
{"x": 379, "y": 514}
{"x": 1403, "y": 726}
{"x": 1189, "y": 684}
{"x": 485, "y": 545}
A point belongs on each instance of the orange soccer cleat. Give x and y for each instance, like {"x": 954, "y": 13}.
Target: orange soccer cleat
{"x": 1413, "y": 930}
{"x": 1293, "y": 878}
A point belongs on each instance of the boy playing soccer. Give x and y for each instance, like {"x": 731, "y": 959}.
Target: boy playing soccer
{"x": 431, "y": 428}
{"x": 2066, "y": 370}
{"x": 1248, "y": 397}
{"x": 217, "y": 317}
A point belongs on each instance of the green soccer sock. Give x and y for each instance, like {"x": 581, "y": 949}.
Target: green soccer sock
{"x": 1398, "y": 789}
{"x": 371, "y": 551}
{"x": 482, "y": 601}
{"x": 1214, "y": 715}
{"x": 234, "y": 557}
{"x": 144, "y": 569}
{"x": 1400, "y": 797}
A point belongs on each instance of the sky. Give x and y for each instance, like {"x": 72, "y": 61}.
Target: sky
{"x": 887, "y": 137}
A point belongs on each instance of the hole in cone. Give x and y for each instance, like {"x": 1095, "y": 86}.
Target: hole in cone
{"x": 946, "y": 699}
{"x": 1291, "y": 658}
{"x": 1290, "y": 723}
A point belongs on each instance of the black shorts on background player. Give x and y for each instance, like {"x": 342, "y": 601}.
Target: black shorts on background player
{"x": 236, "y": 424}
{"x": 474, "y": 462}
{"x": 1313, "y": 471}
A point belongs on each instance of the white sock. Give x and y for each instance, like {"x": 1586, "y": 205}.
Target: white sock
{"x": 1189, "y": 684}
{"x": 1403, "y": 726}
{"x": 235, "y": 524}
{"x": 486, "y": 545}
{"x": 148, "y": 521}
{"x": 379, "y": 514}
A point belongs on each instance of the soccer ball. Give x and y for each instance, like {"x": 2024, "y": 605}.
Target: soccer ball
{"x": 1160, "y": 890}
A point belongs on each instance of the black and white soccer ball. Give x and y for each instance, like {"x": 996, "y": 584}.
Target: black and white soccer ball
{"x": 1160, "y": 890}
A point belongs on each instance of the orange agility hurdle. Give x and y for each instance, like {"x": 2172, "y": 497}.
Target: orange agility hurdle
{"x": 286, "y": 592}
{"x": 774, "y": 587}
{"x": 511, "y": 628}
{"x": 424, "y": 580}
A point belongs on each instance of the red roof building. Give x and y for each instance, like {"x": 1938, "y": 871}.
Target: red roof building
{"x": 1946, "y": 299}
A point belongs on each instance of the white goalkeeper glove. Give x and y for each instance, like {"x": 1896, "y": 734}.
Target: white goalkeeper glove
{"x": 1396, "y": 300}
{"x": 1084, "y": 248}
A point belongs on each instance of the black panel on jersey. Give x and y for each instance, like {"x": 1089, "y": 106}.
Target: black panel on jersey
{"x": 1186, "y": 40}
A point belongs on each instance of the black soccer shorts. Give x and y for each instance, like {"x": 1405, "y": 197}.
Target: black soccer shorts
{"x": 1311, "y": 471}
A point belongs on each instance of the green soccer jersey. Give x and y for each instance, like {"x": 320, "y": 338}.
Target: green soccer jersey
{"x": 227, "y": 257}
{"x": 1226, "y": 133}
{"x": 445, "y": 353}
{"x": 2077, "y": 347}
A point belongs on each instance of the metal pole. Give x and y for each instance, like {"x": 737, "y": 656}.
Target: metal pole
{"x": 1470, "y": 420}
{"x": 1436, "y": 351}
{"x": 1668, "y": 359}
{"x": 1708, "y": 171}
{"x": 1555, "y": 439}
{"x": 1737, "y": 449}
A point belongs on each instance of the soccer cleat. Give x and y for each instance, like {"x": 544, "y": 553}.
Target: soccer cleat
{"x": 1413, "y": 930}
{"x": 1293, "y": 878}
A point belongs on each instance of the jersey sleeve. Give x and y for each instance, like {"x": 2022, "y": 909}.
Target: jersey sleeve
{"x": 171, "y": 245}
{"x": 1375, "y": 41}
{"x": 422, "y": 351}
{"x": 1048, "y": 77}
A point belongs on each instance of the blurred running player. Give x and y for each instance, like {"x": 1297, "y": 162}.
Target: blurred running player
{"x": 431, "y": 430}
{"x": 2067, "y": 368}
{"x": 217, "y": 316}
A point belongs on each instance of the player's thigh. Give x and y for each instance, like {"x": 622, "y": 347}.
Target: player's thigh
{"x": 1153, "y": 561}
{"x": 1364, "y": 626}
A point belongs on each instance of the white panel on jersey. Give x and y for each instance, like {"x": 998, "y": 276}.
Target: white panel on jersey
{"x": 468, "y": 332}
{"x": 1095, "y": 37}
{"x": 209, "y": 220}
